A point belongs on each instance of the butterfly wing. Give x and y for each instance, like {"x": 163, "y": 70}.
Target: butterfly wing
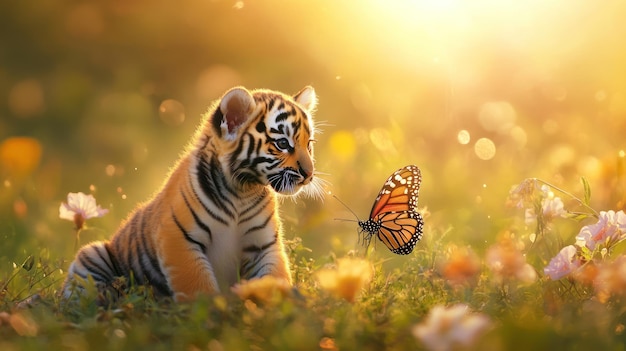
{"x": 400, "y": 231}
{"x": 394, "y": 217}
{"x": 400, "y": 191}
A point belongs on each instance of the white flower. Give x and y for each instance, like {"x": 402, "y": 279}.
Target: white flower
{"x": 610, "y": 229}
{"x": 444, "y": 328}
{"x": 564, "y": 263}
{"x": 79, "y": 208}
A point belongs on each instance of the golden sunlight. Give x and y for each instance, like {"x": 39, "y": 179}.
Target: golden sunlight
{"x": 453, "y": 32}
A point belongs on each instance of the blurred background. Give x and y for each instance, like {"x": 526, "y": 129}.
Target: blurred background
{"x": 102, "y": 96}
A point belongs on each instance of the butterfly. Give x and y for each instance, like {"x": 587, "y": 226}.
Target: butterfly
{"x": 394, "y": 218}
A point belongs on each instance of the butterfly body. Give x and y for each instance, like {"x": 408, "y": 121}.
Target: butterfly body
{"x": 394, "y": 218}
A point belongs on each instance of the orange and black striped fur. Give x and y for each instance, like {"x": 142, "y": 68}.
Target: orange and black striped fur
{"x": 215, "y": 221}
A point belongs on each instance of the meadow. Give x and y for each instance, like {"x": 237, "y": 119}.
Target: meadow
{"x": 514, "y": 112}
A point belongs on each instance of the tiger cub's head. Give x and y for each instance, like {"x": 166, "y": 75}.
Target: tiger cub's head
{"x": 266, "y": 137}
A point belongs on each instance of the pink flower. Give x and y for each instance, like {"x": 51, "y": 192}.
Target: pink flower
{"x": 610, "y": 229}
{"x": 79, "y": 208}
{"x": 611, "y": 279}
{"x": 563, "y": 264}
{"x": 445, "y": 328}
{"x": 551, "y": 207}
{"x": 522, "y": 193}
{"x": 507, "y": 262}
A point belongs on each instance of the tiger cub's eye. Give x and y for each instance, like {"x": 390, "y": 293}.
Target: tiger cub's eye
{"x": 282, "y": 144}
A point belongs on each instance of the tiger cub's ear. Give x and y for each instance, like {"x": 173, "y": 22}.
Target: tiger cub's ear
{"x": 234, "y": 109}
{"x": 306, "y": 98}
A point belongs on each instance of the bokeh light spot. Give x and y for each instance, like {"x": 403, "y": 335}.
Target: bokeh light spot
{"x": 621, "y": 153}
{"x": 463, "y": 137}
{"x": 498, "y": 116}
{"x": 109, "y": 170}
{"x": 343, "y": 145}
{"x": 382, "y": 140}
{"x": 590, "y": 166}
{"x": 20, "y": 155}
{"x": 561, "y": 155}
{"x": 20, "y": 208}
{"x": 26, "y": 98}
{"x": 119, "y": 333}
{"x": 518, "y": 134}
{"x": 172, "y": 112}
{"x": 485, "y": 149}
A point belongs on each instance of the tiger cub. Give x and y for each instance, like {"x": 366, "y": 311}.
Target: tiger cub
{"x": 215, "y": 220}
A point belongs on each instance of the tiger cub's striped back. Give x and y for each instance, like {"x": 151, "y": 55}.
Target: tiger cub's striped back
{"x": 215, "y": 220}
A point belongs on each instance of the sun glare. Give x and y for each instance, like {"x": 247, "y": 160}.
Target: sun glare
{"x": 438, "y": 27}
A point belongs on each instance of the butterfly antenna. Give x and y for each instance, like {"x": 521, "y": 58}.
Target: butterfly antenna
{"x": 345, "y": 220}
{"x": 349, "y": 209}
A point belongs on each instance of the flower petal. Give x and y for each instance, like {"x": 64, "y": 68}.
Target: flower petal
{"x": 65, "y": 212}
{"x": 563, "y": 263}
{"x": 84, "y": 205}
{"x": 101, "y": 211}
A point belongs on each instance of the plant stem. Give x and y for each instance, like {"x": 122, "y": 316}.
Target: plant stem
{"x": 580, "y": 202}
{"x": 77, "y": 240}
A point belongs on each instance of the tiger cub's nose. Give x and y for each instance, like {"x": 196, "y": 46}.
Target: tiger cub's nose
{"x": 307, "y": 173}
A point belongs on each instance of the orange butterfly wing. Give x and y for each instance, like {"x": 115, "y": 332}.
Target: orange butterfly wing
{"x": 394, "y": 217}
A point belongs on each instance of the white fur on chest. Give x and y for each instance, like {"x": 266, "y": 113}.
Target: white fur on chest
{"x": 225, "y": 251}
{"x": 224, "y": 254}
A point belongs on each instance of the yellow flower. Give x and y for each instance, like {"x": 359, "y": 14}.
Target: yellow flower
{"x": 24, "y": 324}
{"x": 348, "y": 279}
{"x": 267, "y": 289}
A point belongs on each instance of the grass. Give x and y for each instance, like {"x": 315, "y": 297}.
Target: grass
{"x": 537, "y": 313}
{"x": 81, "y": 90}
